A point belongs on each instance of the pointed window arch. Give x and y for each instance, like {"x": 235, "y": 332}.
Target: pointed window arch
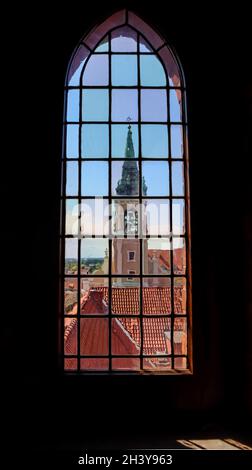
{"x": 125, "y": 190}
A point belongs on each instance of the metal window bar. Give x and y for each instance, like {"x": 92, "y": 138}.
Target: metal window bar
{"x": 110, "y": 221}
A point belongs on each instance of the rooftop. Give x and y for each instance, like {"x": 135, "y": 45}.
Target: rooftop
{"x": 126, "y": 331}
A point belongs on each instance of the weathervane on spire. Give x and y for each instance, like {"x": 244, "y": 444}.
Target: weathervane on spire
{"x": 128, "y": 120}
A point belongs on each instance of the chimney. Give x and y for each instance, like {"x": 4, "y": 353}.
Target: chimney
{"x": 97, "y": 297}
{"x": 95, "y": 303}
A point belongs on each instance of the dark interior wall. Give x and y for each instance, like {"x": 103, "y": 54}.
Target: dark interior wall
{"x": 215, "y": 58}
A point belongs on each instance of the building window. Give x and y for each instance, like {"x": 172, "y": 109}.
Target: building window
{"x": 125, "y": 198}
{"x": 131, "y": 255}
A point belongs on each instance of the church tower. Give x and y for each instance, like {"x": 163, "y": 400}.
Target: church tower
{"x": 128, "y": 184}
{"x": 126, "y": 251}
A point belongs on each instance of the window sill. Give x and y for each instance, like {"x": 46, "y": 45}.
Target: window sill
{"x": 175, "y": 373}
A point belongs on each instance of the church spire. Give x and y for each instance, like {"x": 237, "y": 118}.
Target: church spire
{"x": 128, "y": 184}
{"x": 129, "y": 149}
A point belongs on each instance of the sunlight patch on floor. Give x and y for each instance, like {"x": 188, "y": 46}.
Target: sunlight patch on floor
{"x": 213, "y": 444}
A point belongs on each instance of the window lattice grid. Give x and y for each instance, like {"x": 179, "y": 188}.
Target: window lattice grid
{"x": 161, "y": 343}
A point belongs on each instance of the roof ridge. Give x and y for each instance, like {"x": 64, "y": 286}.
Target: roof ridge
{"x": 69, "y": 328}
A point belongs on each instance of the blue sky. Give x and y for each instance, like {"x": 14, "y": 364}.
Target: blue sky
{"x": 119, "y": 136}
{"x": 124, "y": 105}
{"x": 154, "y": 140}
{"x": 95, "y": 103}
{"x": 95, "y": 178}
{"x": 152, "y": 72}
{"x": 124, "y": 70}
{"x": 156, "y": 176}
{"x": 95, "y": 137}
{"x": 95, "y": 140}
{"x": 90, "y": 248}
{"x": 96, "y": 63}
{"x": 95, "y": 174}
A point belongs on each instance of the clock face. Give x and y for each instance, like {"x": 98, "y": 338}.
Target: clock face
{"x": 131, "y": 222}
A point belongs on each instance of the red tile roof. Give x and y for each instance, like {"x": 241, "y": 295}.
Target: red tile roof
{"x": 164, "y": 261}
{"x": 163, "y": 257}
{"x": 179, "y": 259}
{"x": 125, "y": 333}
{"x": 156, "y": 300}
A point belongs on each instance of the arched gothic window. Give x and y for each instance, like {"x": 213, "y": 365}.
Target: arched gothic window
{"x": 125, "y": 244}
